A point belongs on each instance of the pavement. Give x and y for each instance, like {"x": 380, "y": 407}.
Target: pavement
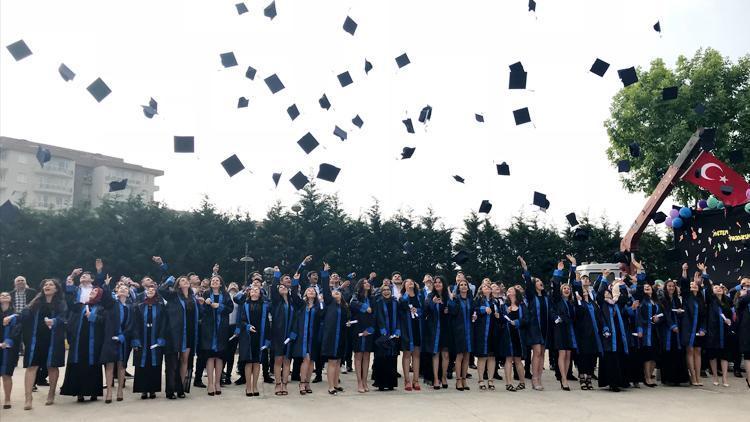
{"x": 664, "y": 404}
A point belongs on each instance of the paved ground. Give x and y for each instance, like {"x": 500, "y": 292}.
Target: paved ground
{"x": 661, "y": 404}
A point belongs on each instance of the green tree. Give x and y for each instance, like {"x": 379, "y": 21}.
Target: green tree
{"x": 661, "y": 128}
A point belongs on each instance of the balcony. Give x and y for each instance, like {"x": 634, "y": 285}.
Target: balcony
{"x": 55, "y": 170}
{"x": 47, "y": 187}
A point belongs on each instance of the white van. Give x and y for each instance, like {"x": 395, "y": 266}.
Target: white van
{"x": 594, "y": 270}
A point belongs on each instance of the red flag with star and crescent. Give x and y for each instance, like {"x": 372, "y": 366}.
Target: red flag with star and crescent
{"x": 718, "y": 178}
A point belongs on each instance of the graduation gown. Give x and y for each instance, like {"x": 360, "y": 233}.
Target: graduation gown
{"x": 10, "y": 335}
{"x": 672, "y": 360}
{"x": 717, "y": 331}
{"x": 305, "y": 326}
{"x": 282, "y": 316}
{"x": 743, "y": 316}
{"x": 117, "y": 319}
{"x": 646, "y": 326}
{"x": 333, "y": 318}
{"x": 614, "y": 338}
{"x": 485, "y": 327}
{"x": 511, "y": 341}
{"x": 365, "y": 322}
{"x": 587, "y": 328}
{"x": 436, "y": 326}
{"x": 214, "y": 332}
{"x": 148, "y": 329}
{"x": 388, "y": 324}
{"x": 44, "y": 346}
{"x": 693, "y": 320}
{"x": 538, "y": 330}
{"x": 461, "y": 311}
{"x": 255, "y": 313}
{"x": 411, "y": 327}
{"x": 183, "y": 319}
{"x": 83, "y": 375}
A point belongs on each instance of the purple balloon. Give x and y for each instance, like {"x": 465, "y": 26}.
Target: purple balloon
{"x": 702, "y": 204}
{"x": 677, "y": 223}
{"x": 747, "y": 194}
{"x": 674, "y": 213}
{"x": 668, "y": 221}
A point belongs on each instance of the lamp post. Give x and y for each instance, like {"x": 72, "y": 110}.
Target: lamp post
{"x": 246, "y": 259}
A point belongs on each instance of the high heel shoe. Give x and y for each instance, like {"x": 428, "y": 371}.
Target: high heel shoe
{"x": 302, "y": 391}
{"x": 564, "y": 387}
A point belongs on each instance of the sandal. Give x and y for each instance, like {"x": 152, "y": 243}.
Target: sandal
{"x": 278, "y": 391}
{"x": 307, "y": 388}
{"x": 302, "y": 391}
{"x": 482, "y": 386}
{"x": 409, "y": 388}
{"x": 510, "y": 387}
{"x": 417, "y": 387}
{"x": 491, "y": 385}
{"x": 520, "y": 386}
{"x": 284, "y": 391}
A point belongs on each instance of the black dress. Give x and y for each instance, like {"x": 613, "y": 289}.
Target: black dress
{"x": 11, "y": 336}
{"x": 149, "y": 323}
{"x": 83, "y": 375}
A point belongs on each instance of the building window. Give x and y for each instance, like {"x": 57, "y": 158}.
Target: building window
{"x": 21, "y": 178}
{"x": 22, "y": 158}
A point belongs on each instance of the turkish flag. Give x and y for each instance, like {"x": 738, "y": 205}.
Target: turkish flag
{"x": 718, "y": 178}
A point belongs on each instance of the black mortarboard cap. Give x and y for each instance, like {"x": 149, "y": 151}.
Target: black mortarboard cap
{"x": 66, "y": 73}
{"x": 736, "y": 156}
{"x": 659, "y": 217}
{"x": 402, "y": 60}
{"x": 635, "y": 149}
{"x": 308, "y": 143}
{"x": 532, "y": 6}
{"x": 622, "y": 257}
{"x": 628, "y": 76}
{"x": 572, "y": 220}
{"x": 425, "y": 114}
{"x": 708, "y": 138}
{"x": 517, "y": 80}
{"x": 599, "y": 67}
{"x": 623, "y": 166}
{"x": 228, "y": 59}
{"x": 368, "y": 66}
{"x": 581, "y": 234}
{"x": 357, "y": 121}
{"x": 324, "y": 103}
{"x": 118, "y": 185}
{"x": 727, "y": 189}
{"x": 540, "y": 200}
{"x": 521, "y": 116}
{"x": 407, "y": 247}
{"x": 460, "y": 257}
{"x": 409, "y": 125}
{"x": 699, "y": 109}
{"x": 274, "y": 83}
{"x": 657, "y": 27}
{"x": 151, "y": 109}
{"x": 345, "y": 79}
{"x": 459, "y": 179}
{"x": 669, "y": 93}
{"x": 184, "y": 144}
{"x": 99, "y": 90}
{"x": 516, "y": 67}
{"x": 250, "y": 73}
{"x": 292, "y": 111}
{"x": 19, "y": 50}
{"x": 241, "y": 8}
{"x": 341, "y": 133}
{"x": 349, "y": 25}
{"x": 8, "y": 212}
{"x": 503, "y": 169}
{"x": 299, "y": 180}
{"x": 407, "y": 152}
{"x": 270, "y": 10}
{"x": 242, "y": 102}
{"x": 479, "y": 118}
{"x": 485, "y": 207}
{"x": 276, "y": 177}
{"x": 232, "y": 165}
{"x": 43, "y": 155}
{"x": 328, "y": 172}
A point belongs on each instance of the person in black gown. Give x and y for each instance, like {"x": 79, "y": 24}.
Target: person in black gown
{"x": 388, "y": 342}
{"x": 147, "y": 332}
{"x": 539, "y": 328}
{"x": 437, "y": 331}
{"x": 485, "y": 334}
{"x": 513, "y": 319}
{"x": 362, "y": 311}
{"x": 10, "y": 333}
{"x": 672, "y": 359}
{"x": 254, "y": 333}
{"x": 116, "y": 347}
{"x": 183, "y": 314}
{"x": 410, "y": 313}
{"x": 614, "y": 340}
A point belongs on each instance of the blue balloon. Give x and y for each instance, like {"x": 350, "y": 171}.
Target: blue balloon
{"x": 685, "y": 212}
{"x": 677, "y": 223}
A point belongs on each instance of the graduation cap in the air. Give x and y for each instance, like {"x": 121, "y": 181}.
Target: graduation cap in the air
{"x": 270, "y": 10}
{"x": 425, "y": 114}
{"x": 99, "y": 90}
{"x": 151, "y": 109}
{"x": 184, "y": 144}
{"x": 409, "y": 125}
{"x": 459, "y": 179}
{"x": 485, "y": 207}
{"x": 572, "y": 220}
{"x": 669, "y": 93}
{"x": 19, "y": 50}
{"x": 407, "y": 247}
{"x": 521, "y": 116}
{"x": 736, "y": 156}
{"x": 479, "y": 118}
{"x": 517, "y": 80}
{"x": 299, "y": 180}
{"x": 242, "y": 102}
{"x": 699, "y": 109}
{"x": 659, "y": 217}
{"x": 503, "y": 169}
{"x": 581, "y": 234}
{"x": 407, "y": 152}
{"x": 308, "y": 143}
{"x": 368, "y": 66}
{"x": 341, "y": 133}
{"x": 228, "y": 59}
{"x": 274, "y": 83}
{"x": 599, "y": 67}
{"x": 623, "y": 166}
{"x": 634, "y": 149}
{"x": 727, "y": 189}
{"x": 328, "y": 172}
{"x": 622, "y": 257}
{"x": 43, "y": 155}
{"x": 532, "y": 6}
{"x": 250, "y": 73}
{"x": 357, "y": 121}
{"x": 541, "y": 201}
{"x": 349, "y": 25}
{"x": 118, "y": 185}
{"x": 276, "y": 177}
{"x": 708, "y": 138}
{"x": 628, "y": 76}
{"x": 402, "y": 60}
{"x": 8, "y": 212}
{"x": 460, "y": 257}
{"x": 324, "y": 103}
{"x": 232, "y": 165}
{"x": 657, "y": 27}
{"x": 66, "y": 73}
{"x": 345, "y": 79}
{"x": 292, "y": 111}
{"x": 241, "y": 8}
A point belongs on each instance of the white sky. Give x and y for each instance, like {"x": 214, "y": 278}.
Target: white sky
{"x": 460, "y": 52}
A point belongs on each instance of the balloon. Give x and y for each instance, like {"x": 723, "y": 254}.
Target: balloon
{"x": 668, "y": 221}
{"x": 747, "y": 208}
{"x": 747, "y": 194}
{"x": 677, "y": 223}
{"x": 702, "y": 204}
{"x": 721, "y": 205}
{"x": 674, "y": 213}
{"x": 713, "y": 203}
{"x": 685, "y": 212}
